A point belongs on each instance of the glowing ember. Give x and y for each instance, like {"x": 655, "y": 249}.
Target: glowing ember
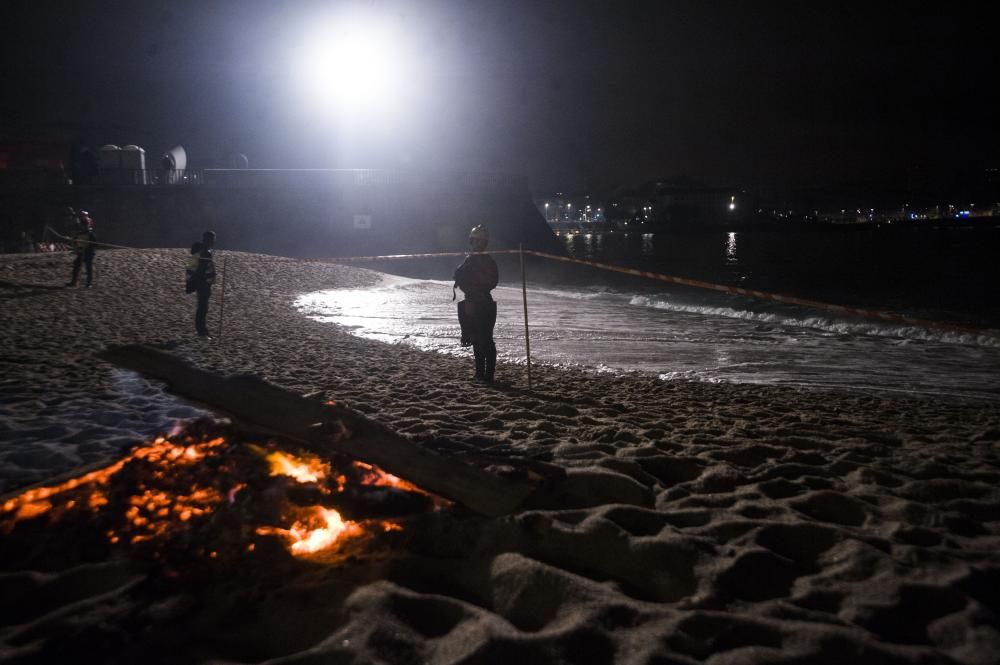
{"x": 34, "y": 509}
{"x": 306, "y": 469}
{"x": 161, "y": 453}
{"x": 156, "y": 513}
{"x": 319, "y": 530}
{"x": 372, "y": 475}
{"x": 166, "y": 490}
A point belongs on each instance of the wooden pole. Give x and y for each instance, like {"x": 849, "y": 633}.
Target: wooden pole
{"x": 524, "y": 299}
{"x": 222, "y": 300}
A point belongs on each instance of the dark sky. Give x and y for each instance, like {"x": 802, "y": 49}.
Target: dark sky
{"x": 574, "y": 94}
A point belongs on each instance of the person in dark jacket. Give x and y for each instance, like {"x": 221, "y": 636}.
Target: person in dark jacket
{"x": 200, "y": 277}
{"x": 477, "y": 313}
{"x": 84, "y": 246}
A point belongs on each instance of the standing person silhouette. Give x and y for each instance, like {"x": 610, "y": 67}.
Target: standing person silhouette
{"x": 200, "y": 277}
{"x": 83, "y": 239}
{"x": 477, "y": 314}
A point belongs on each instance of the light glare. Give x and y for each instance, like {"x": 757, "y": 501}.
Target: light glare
{"x": 350, "y": 66}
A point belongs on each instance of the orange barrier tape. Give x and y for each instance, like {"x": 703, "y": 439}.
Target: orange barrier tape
{"x": 699, "y": 284}
{"x": 696, "y": 283}
{"x": 95, "y": 243}
{"x": 336, "y": 259}
{"x": 777, "y": 297}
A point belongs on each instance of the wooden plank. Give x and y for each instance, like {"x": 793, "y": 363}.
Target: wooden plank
{"x": 326, "y": 428}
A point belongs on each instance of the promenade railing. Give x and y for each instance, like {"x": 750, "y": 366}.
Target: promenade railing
{"x": 350, "y": 178}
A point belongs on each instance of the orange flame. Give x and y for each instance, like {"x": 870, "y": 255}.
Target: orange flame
{"x": 306, "y": 469}
{"x": 157, "y": 510}
{"x": 321, "y": 529}
{"x": 372, "y": 475}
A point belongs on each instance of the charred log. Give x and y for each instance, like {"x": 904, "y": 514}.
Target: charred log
{"x": 327, "y": 428}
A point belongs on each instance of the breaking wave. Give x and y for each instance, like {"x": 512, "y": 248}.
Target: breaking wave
{"x": 679, "y": 335}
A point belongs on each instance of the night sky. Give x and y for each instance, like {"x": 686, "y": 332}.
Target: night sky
{"x": 773, "y": 96}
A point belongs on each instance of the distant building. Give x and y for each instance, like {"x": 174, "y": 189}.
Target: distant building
{"x": 564, "y": 212}
{"x": 676, "y": 202}
{"x": 665, "y": 202}
{"x": 555, "y": 207}
{"x": 687, "y": 202}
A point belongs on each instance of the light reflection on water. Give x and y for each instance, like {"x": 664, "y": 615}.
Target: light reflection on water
{"x": 731, "y": 248}
{"x": 647, "y": 244}
{"x": 707, "y": 337}
{"x": 936, "y": 272}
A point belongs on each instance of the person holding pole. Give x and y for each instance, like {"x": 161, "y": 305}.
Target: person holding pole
{"x": 84, "y": 246}
{"x": 477, "y": 313}
{"x": 200, "y": 277}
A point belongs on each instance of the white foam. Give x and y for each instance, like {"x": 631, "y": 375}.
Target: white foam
{"x": 678, "y": 337}
{"x": 819, "y": 322}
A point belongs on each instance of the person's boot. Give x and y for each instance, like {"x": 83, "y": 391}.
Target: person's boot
{"x": 480, "y": 365}
{"x": 490, "y": 367}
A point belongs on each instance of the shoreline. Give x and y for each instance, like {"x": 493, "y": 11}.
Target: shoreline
{"x": 266, "y": 335}
{"x": 807, "y": 522}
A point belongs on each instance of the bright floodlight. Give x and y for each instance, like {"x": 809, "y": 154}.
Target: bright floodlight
{"x": 352, "y": 65}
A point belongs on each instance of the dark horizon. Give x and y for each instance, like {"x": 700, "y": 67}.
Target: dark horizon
{"x": 777, "y": 98}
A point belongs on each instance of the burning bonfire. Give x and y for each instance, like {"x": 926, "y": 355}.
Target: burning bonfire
{"x": 207, "y": 493}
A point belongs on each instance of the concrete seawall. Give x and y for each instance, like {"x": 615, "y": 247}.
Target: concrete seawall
{"x": 288, "y": 213}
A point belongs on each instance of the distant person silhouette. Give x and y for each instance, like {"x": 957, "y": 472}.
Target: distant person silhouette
{"x": 200, "y": 277}
{"x": 477, "y": 313}
{"x": 84, "y": 247}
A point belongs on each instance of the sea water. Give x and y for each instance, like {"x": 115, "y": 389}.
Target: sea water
{"x": 585, "y": 317}
{"x": 678, "y": 333}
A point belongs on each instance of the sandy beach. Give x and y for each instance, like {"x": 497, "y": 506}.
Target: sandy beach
{"x": 702, "y": 522}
